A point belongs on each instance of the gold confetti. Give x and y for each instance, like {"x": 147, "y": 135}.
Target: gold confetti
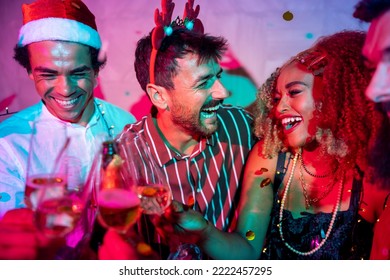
{"x": 265, "y": 182}
{"x": 288, "y": 16}
{"x": 250, "y": 235}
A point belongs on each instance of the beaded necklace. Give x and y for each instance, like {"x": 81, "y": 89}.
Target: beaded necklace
{"x": 335, "y": 210}
{"x": 110, "y": 128}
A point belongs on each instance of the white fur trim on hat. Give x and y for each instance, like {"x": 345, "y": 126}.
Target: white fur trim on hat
{"x": 61, "y": 29}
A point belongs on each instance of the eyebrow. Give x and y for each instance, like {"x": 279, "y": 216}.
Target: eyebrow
{"x": 48, "y": 70}
{"x": 206, "y": 77}
{"x": 295, "y": 83}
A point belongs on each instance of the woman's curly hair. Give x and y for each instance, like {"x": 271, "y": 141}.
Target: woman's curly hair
{"x": 347, "y": 121}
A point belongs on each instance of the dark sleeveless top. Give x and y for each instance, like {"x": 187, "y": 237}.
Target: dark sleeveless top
{"x": 350, "y": 238}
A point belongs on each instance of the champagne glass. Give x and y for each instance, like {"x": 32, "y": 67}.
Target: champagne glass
{"x": 54, "y": 188}
{"x": 59, "y": 208}
{"x": 152, "y": 188}
{"x": 145, "y": 174}
{"x": 118, "y": 203}
{"x": 46, "y": 158}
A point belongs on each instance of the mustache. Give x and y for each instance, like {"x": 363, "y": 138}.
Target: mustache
{"x": 212, "y": 104}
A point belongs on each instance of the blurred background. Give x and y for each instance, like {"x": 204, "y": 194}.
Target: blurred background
{"x": 262, "y": 34}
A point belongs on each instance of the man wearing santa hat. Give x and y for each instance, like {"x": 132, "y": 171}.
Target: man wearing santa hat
{"x": 59, "y": 47}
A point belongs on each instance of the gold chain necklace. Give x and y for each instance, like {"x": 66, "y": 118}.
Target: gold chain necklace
{"x": 308, "y": 200}
{"x": 333, "y": 219}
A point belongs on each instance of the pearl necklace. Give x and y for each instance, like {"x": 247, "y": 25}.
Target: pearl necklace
{"x": 335, "y": 210}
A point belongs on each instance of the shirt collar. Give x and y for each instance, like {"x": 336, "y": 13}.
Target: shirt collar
{"x": 47, "y": 116}
{"x": 162, "y": 152}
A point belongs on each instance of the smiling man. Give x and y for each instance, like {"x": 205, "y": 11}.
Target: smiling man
{"x": 59, "y": 47}
{"x": 200, "y": 144}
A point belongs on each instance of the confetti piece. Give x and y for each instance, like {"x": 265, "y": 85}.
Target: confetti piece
{"x": 261, "y": 171}
{"x": 191, "y": 201}
{"x": 265, "y": 182}
{"x": 144, "y": 249}
{"x": 250, "y": 235}
{"x": 288, "y": 16}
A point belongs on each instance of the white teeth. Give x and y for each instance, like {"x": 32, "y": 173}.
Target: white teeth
{"x": 287, "y": 121}
{"x": 66, "y": 102}
{"x": 208, "y": 115}
{"x": 212, "y": 108}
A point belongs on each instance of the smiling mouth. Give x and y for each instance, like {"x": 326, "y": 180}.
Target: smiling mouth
{"x": 67, "y": 103}
{"x": 289, "y": 123}
{"x": 210, "y": 111}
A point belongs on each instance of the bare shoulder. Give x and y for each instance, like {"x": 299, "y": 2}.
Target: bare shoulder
{"x": 259, "y": 164}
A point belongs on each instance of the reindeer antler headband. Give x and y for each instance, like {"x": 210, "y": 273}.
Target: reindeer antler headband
{"x": 164, "y": 27}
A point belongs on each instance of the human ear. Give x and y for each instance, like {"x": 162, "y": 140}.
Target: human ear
{"x": 157, "y": 96}
{"x": 31, "y": 76}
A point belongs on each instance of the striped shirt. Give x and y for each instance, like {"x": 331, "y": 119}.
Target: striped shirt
{"x": 209, "y": 178}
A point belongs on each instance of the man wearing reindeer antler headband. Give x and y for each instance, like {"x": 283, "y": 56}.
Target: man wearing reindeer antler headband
{"x": 198, "y": 142}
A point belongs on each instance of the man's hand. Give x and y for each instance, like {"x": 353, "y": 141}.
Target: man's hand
{"x": 181, "y": 224}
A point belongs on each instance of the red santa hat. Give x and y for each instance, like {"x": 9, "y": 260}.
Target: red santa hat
{"x": 63, "y": 20}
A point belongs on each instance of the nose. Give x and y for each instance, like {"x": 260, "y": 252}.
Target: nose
{"x": 218, "y": 91}
{"x": 379, "y": 88}
{"x": 64, "y": 86}
{"x": 283, "y": 104}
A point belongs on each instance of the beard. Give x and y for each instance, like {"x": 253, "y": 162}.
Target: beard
{"x": 189, "y": 120}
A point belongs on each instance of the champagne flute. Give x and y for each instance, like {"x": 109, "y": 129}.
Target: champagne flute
{"x": 145, "y": 174}
{"x": 152, "y": 187}
{"x": 59, "y": 209}
{"x": 118, "y": 203}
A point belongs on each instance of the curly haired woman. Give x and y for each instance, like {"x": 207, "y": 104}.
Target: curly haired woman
{"x": 314, "y": 112}
{"x": 304, "y": 195}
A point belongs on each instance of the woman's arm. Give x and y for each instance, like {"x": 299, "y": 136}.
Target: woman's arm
{"x": 246, "y": 242}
